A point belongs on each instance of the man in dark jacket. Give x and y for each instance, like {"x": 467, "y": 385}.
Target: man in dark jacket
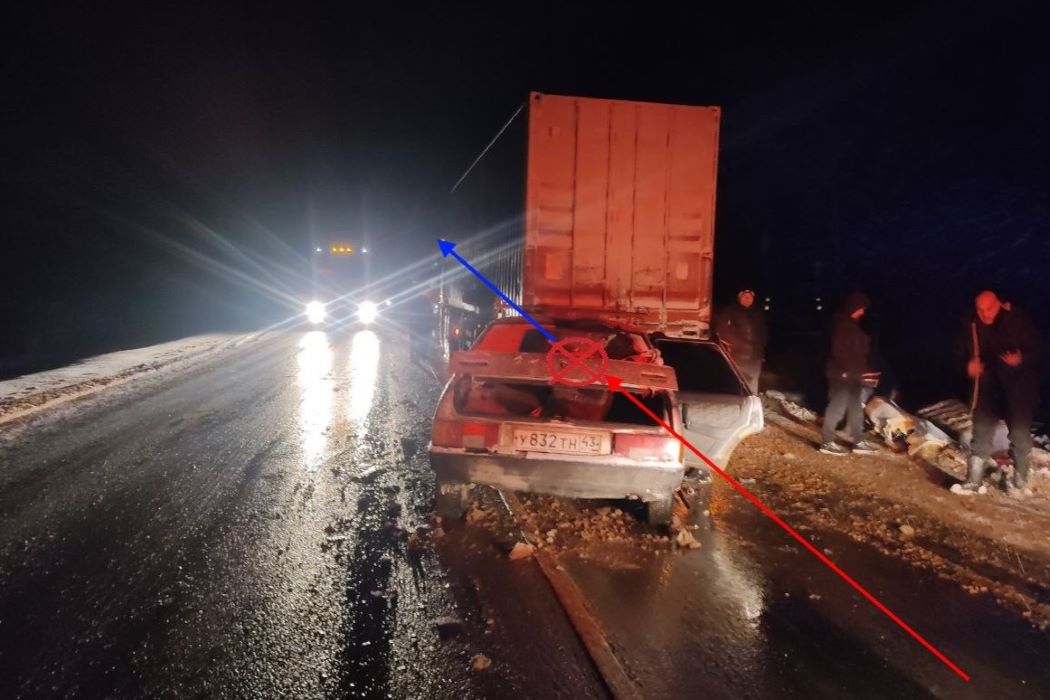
{"x": 1005, "y": 357}
{"x": 848, "y": 361}
{"x": 742, "y": 329}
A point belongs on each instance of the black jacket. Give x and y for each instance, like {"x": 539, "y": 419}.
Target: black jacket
{"x": 743, "y": 330}
{"x": 849, "y": 356}
{"x": 1012, "y": 330}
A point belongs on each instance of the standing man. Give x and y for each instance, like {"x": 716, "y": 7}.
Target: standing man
{"x": 742, "y": 329}
{"x": 1005, "y": 354}
{"x": 848, "y": 361}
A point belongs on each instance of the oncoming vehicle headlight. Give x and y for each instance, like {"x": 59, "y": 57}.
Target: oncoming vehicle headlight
{"x": 315, "y": 312}
{"x": 367, "y": 312}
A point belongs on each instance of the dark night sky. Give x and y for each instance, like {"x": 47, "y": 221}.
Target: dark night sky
{"x": 163, "y": 167}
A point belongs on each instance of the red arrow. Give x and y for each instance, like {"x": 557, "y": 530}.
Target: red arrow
{"x": 616, "y": 384}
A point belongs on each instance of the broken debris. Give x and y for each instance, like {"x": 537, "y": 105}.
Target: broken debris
{"x": 685, "y": 540}
{"x": 522, "y": 550}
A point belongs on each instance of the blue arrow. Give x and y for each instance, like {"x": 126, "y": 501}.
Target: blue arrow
{"x": 447, "y": 247}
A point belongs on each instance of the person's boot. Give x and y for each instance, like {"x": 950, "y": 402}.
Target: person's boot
{"x": 974, "y": 474}
{"x": 1021, "y": 468}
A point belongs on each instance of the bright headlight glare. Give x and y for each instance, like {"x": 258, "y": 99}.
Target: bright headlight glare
{"x": 315, "y": 312}
{"x": 367, "y": 312}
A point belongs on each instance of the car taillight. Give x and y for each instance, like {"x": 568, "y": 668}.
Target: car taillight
{"x": 457, "y": 433}
{"x": 648, "y": 447}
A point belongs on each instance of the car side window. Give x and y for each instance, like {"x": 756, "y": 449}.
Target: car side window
{"x": 700, "y": 367}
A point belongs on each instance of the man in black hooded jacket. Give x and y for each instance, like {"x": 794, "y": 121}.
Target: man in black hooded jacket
{"x": 1005, "y": 358}
{"x": 741, "y": 326}
{"x": 849, "y": 359}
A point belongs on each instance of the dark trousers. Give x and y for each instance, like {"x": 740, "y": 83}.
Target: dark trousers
{"x": 844, "y": 400}
{"x": 1019, "y": 408}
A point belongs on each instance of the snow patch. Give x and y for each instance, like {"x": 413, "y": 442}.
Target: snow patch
{"x": 30, "y": 393}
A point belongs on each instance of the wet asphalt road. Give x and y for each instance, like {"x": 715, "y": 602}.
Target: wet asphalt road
{"x": 752, "y": 615}
{"x": 255, "y": 526}
{"x": 260, "y": 525}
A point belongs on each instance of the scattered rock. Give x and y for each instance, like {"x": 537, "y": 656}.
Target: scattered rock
{"x": 368, "y": 476}
{"x": 480, "y": 662}
{"x": 522, "y": 550}
{"x": 685, "y": 539}
{"x": 476, "y": 515}
{"x": 907, "y": 531}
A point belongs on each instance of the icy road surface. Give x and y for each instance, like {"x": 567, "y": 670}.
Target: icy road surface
{"x": 24, "y": 395}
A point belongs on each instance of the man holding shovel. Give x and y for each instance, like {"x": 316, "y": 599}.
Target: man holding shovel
{"x": 1004, "y": 364}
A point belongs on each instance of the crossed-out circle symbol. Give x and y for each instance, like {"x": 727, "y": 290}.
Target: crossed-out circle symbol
{"x": 571, "y": 354}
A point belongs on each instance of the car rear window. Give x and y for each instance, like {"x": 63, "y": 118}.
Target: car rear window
{"x": 701, "y": 367}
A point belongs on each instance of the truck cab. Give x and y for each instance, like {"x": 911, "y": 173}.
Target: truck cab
{"x": 339, "y": 275}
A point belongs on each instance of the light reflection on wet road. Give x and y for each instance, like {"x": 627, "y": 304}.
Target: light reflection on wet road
{"x": 364, "y": 368}
{"x": 315, "y": 409}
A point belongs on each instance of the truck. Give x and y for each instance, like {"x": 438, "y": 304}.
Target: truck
{"x": 339, "y": 276}
{"x": 619, "y": 202}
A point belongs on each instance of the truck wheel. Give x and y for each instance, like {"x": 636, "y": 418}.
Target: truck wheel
{"x": 659, "y": 512}
{"x": 452, "y": 500}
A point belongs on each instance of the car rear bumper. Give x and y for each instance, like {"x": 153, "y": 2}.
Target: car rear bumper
{"x": 608, "y": 477}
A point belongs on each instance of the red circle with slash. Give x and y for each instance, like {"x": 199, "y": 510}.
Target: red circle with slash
{"x": 571, "y": 361}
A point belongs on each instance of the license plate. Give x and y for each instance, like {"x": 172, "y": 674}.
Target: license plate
{"x": 561, "y": 441}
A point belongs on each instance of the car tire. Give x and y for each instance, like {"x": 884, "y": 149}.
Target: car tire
{"x": 659, "y": 512}
{"x": 452, "y": 500}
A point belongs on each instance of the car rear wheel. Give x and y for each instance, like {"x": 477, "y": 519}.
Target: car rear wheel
{"x": 659, "y": 512}
{"x": 452, "y": 500}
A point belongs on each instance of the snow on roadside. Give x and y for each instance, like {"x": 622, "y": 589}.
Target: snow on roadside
{"x": 995, "y": 543}
{"x": 31, "y": 393}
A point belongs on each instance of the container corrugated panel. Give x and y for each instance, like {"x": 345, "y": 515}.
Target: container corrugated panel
{"x": 620, "y": 207}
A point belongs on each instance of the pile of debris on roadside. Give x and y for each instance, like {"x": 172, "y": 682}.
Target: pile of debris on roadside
{"x": 587, "y": 529}
{"x": 938, "y": 434}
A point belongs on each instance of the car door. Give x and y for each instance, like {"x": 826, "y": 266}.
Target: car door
{"x": 718, "y": 410}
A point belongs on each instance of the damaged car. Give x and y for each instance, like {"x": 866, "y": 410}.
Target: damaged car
{"x": 505, "y": 422}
